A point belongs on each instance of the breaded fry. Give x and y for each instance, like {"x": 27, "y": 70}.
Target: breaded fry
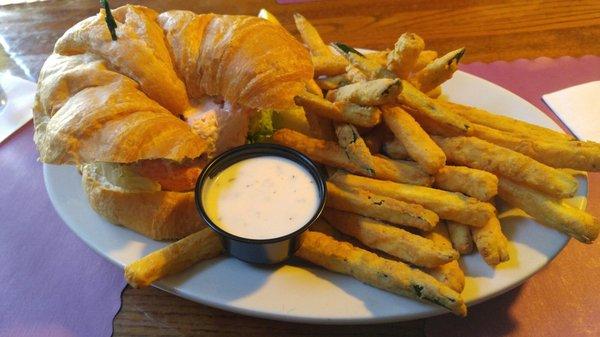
{"x": 339, "y": 111}
{"x": 355, "y": 147}
{"x": 372, "y": 69}
{"x": 450, "y": 273}
{"x": 438, "y": 71}
{"x": 329, "y": 65}
{"x": 435, "y": 92}
{"x": 380, "y": 207}
{"x": 425, "y": 57}
{"x": 550, "y": 212}
{"x": 320, "y": 127}
{"x": 491, "y": 242}
{"x": 265, "y": 14}
{"x": 379, "y": 56}
{"x": 364, "y": 116}
{"x": 559, "y": 153}
{"x": 373, "y": 92}
{"x": 503, "y": 123}
{"x": 375, "y": 139}
{"x": 333, "y": 82}
{"x": 313, "y": 88}
{"x": 367, "y": 267}
{"x": 416, "y": 141}
{"x": 311, "y": 37}
{"x": 395, "y": 149}
{"x": 400, "y": 171}
{"x": 427, "y": 106}
{"x": 448, "y": 205}
{"x": 174, "y": 258}
{"x": 355, "y": 75}
{"x": 476, "y": 183}
{"x": 401, "y": 60}
{"x": 323, "y": 226}
{"x": 476, "y": 153}
{"x": 397, "y": 242}
{"x": 331, "y": 154}
{"x": 324, "y": 61}
{"x": 460, "y": 236}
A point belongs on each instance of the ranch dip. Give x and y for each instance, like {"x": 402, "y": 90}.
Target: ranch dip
{"x": 261, "y": 198}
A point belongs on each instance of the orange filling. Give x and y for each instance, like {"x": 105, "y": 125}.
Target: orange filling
{"x": 170, "y": 175}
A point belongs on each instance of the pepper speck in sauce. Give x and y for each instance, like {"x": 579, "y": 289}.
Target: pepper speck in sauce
{"x": 261, "y": 198}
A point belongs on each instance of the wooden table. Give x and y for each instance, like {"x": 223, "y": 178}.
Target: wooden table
{"x": 489, "y": 30}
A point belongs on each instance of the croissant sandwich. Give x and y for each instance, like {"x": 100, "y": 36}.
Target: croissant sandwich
{"x": 141, "y": 115}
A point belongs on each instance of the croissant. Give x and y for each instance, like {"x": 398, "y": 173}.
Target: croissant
{"x": 142, "y": 115}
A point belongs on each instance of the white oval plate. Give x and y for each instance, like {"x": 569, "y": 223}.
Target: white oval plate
{"x": 302, "y": 293}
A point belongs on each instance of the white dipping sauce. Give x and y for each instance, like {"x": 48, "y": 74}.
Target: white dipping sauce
{"x": 261, "y": 198}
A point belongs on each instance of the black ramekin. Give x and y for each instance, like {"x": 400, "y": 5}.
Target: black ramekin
{"x": 265, "y": 251}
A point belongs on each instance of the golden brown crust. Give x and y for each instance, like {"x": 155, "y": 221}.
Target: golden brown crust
{"x": 160, "y": 215}
{"x": 244, "y": 59}
{"x": 113, "y": 123}
{"x": 139, "y": 52}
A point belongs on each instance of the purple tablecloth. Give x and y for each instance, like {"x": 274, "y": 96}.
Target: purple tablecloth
{"x": 51, "y": 283}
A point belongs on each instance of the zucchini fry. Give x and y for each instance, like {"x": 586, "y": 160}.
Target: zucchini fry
{"x": 558, "y": 153}
{"x": 372, "y": 69}
{"x": 174, "y": 258}
{"x": 380, "y": 207}
{"x": 378, "y": 56}
{"x": 476, "y": 153}
{"x": 324, "y": 61}
{"x": 367, "y": 267}
{"x": 450, "y": 273}
{"x": 478, "y": 184}
{"x": 491, "y": 242}
{"x": 504, "y": 123}
{"x": 550, "y": 212}
{"x": 397, "y": 242}
{"x": 331, "y": 154}
{"x": 339, "y": 111}
{"x": 429, "y": 107}
{"x": 406, "y": 51}
{"x": 425, "y": 57}
{"x": 448, "y": 205}
{"x": 359, "y": 115}
{"x": 460, "y": 236}
{"x": 355, "y": 147}
{"x": 373, "y": 92}
{"x": 395, "y": 149}
{"x": 416, "y": 141}
{"x": 438, "y": 71}
{"x": 265, "y": 14}
{"x": 376, "y": 138}
{"x": 329, "y": 65}
{"x": 333, "y": 82}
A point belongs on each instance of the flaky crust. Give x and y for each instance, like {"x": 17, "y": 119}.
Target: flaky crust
{"x": 111, "y": 123}
{"x": 244, "y": 59}
{"x": 160, "y": 215}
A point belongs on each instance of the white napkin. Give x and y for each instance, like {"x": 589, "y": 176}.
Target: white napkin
{"x": 579, "y": 108}
{"x": 20, "y": 94}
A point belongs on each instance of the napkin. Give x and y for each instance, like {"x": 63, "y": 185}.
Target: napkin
{"x": 17, "y": 112}
{"x": 578, "y": 108}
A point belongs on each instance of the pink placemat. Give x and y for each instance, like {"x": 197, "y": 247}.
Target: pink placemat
{"x": 562, "y": 299}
